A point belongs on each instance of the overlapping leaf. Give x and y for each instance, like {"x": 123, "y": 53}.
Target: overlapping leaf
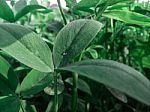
{"x": 34, "y": 82}
{"x": 115, "y": 75}
{"x": 26, "y": 46}
{"x": 128, "y": 17}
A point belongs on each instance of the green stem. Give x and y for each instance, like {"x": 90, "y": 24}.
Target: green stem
{"x": 55, "y": 93}
{"x": 61, "y": 11}
{"x": 75, "y": 92}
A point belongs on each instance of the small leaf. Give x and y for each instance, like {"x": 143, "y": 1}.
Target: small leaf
{"x": 34, "y": 82}
{"x": 82, "y": 85}
{"x": 115, "y": 75}
{"x": 128, "y": 17}
{"x": 74, "y": 38}
{"x": 9, "y": 104}
{"x": 26, "y": 46}
{"x": 93, "y": 53}
{"x": 6, "y": 12}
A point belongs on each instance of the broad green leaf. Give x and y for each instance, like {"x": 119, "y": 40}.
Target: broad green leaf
{"x": 26, "y": 46}
{"x": 128, "y": 17}
{"x": 26, "y": 10}
{"x": 115, "y": 75}
{"x": 34, "y": 82}
{"x": 19, "y": 5}
{"x": 82, "y": 85}
{"x": 9, "y": 104}
{"x": 5, "y": 11}
{"x": 7, "y": 74}
{"x": 72, "y": 39}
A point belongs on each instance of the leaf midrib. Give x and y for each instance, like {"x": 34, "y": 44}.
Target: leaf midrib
{"x": 41, "y": 60}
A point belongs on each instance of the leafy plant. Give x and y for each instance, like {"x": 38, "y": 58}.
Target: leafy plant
{"x": 54, "y": 68}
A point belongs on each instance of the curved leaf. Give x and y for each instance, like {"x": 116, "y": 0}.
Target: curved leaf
{"x": 19, "y": 5}
{"x": 5, "y": 11}
{"x": 26, "y": 46}
{"x": 26, "y": 10}
{"x": 115, "y": 75}
{"x": 72, "y": 39}
{"x": 128, "y": 17}
{"x": 34, "y": 82}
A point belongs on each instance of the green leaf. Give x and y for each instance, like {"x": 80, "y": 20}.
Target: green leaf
{"x": 5, "y": 90}
{"x": 50, "y": 88}
{"x": 6, "y": 13}
{"x": 74, "y": 38}
{"x": 120, "y": 96}
{"x": 33, "y": 2}
{"x": 128, "y": 17}
{"x": 70, "y": 3}
{"x": 9, "y": 104}
{"x": 93, "y": 53}
{"x": 86, "y": 4}
{"x": 27, "y": 107}
{"x": 26, "y": 46}
{"x": 82, "y": 85}
{"x": 27, "y": 10}
{"x": 19, "y": 5}
{"x": 34, "y": 82}
{"x": 7, "y": 74}
{"x": 146, "y": 61}
{"x": 115, "y": 75}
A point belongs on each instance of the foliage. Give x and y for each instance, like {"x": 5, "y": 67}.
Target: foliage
{"x": 89, "y": 57}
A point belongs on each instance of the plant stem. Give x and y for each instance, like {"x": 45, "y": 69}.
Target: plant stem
{"x": 61, "y": 11}
{"x": 75, "y": 92}
{"x": 55, "y": 93}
